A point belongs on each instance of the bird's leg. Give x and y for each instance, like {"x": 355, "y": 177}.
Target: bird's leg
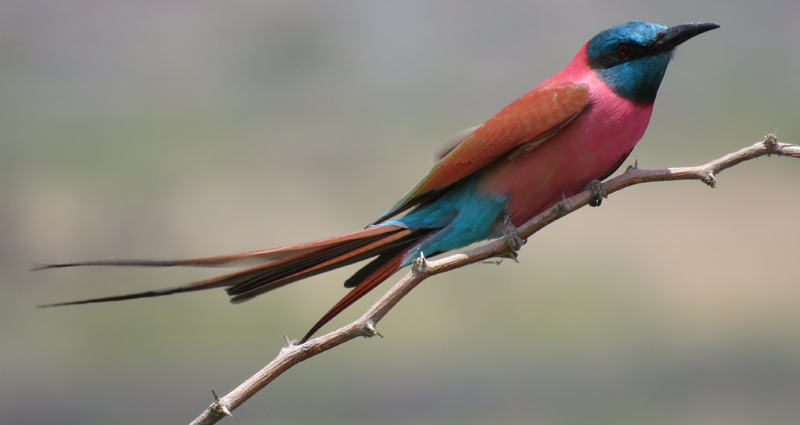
{"x": 598, "y": 193}
{"x": 512, "y": 238}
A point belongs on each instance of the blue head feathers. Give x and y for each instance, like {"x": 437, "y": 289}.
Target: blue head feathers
{"x": 632, "y": 58}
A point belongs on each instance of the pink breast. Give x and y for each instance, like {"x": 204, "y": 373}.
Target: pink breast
{"x": 581, "y": 152}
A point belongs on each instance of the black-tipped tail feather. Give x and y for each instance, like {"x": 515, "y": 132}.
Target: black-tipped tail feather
{"x": 194, "y": 286}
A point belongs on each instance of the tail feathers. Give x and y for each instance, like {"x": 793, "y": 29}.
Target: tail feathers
{"x": 371, "y": 267}
{"x": 194, "y": 286}
{"x": 241, "y": 259}
{"x": 279, "y": 275}
{"x": 288, "y": 264}
{"x": 296, "y": 262}
{"x": 370, "y": 276}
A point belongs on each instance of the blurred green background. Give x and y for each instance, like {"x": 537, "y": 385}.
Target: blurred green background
{"x": 190, "y": 128}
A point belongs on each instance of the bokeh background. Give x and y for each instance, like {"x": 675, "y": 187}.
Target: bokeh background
{"x": 187, "y": 128}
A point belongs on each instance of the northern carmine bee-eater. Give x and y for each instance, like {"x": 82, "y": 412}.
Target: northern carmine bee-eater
{"x": 573, "y": 129}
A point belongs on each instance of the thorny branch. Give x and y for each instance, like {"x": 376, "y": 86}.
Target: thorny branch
{"x": 422, "y": 268}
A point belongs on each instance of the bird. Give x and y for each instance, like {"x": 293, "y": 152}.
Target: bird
{"x": 568, "y": 133}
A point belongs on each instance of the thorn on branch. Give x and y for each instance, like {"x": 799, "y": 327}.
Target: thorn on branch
{"x": 218, "y": 406}
{"x": 709, "y": 179}
{"x": 371, "y": 331}
{"x": 563, "y": 208}
{"x": 289, "y": 343}
{"x": 771, "y": 143}
{"x": 633, "y": 167}
{"x": 420, "y": 265}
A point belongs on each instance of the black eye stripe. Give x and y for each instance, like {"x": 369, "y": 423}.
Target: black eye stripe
{"x": 623, "y": 51}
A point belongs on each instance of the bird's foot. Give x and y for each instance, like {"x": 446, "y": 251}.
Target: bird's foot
{"x": 512, "y": 238}
{"x": 598, "y": 193}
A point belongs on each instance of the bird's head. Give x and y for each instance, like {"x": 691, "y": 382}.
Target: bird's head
{"x": 632, "y": 58}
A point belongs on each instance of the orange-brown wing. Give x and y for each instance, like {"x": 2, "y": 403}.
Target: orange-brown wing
{"x": 454, "y": 142}
{"x": 531, "y": 119}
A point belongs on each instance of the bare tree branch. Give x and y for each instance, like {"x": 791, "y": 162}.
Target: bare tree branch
{"x": 422, "y": 269}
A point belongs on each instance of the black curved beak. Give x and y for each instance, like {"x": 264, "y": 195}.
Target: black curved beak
{"x": 670, "y": 38}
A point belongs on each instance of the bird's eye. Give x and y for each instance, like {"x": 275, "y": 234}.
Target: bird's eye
{"x": 624, "y": 49}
